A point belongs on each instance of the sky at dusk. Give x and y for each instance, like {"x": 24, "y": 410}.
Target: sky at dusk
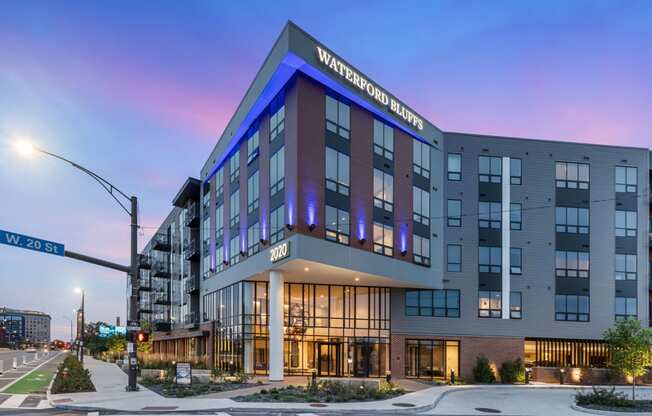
{"x": 139, "y": 91}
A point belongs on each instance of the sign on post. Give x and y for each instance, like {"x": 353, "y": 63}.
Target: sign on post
{"x": 184, "y": 373}
{"x": 31, "y": 243}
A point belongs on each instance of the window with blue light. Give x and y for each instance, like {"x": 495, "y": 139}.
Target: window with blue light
{"x": 277, "y": 224}
{"x": 277, "y": 172}
{"x": 234, "y": 208}
{"x": 383, "y": 239}
{"x": 219, "y": 182}
{"x": 234, "y": 250}
{"x": 337, "y": 171}
{"x": 253, "y": 192}
{"x": 253, "y": 241}
{"x": 253, "y": 147}
{"x": 338, "y": 117}
{"x": 383, "y": 140}
{"x": 277, "y": 123}
{"x": 337, "y": 225}
{"x": 219, "y": 223}
{"x": 383, "y": 190}
{"x": 234, "y": 166}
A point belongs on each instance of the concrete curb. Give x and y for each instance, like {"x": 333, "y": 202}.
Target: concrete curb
{"x": 607, "y": 412}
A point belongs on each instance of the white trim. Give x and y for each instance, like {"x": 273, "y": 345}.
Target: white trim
{"x": 275, "y": 325}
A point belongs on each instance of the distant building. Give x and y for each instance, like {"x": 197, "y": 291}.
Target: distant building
{"x": 24, "y": 325}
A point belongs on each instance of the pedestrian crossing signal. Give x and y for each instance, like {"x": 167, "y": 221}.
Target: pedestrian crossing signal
{"x": 142, "y": 336}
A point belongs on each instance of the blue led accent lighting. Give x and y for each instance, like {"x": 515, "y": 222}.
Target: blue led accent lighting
{"x": 286, "y": 69}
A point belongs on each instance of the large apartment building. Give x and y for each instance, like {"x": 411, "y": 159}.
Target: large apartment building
{"x": 334, "y": 229}
{"x": 24, "y": 326}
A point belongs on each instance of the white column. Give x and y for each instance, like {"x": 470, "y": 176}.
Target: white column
{"x": 506, "y": 201}
{"x": 275, "y": 325}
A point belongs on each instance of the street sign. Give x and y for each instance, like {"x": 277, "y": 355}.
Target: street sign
{"x": 184, "y": 374}
{"x": 133, "y": 325}
{"x": 31, "y": 243}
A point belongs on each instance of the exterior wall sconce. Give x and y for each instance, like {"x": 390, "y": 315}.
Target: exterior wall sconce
{"x": 263, "y": 241}
{"x": 403, "y": 253}
{"x": 311, "y": 227}
{"x": 362, "y": 241}
{"x": 225, "y": 262}
{"x": 289, "y": 226}
{"x": 243, "y": 254}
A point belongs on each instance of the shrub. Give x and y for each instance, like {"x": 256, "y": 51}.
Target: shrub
{"x": 603, "y": 397}
{"x": 482, "y": 372}
{"x": 72, "y": 377}
{"x": 512, "y": 371}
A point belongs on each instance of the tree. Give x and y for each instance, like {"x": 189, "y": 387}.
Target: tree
{"x": 116, "y": 344}
{"x": 631, "y": 349}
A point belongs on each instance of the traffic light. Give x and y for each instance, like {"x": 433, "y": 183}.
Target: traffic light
{"x": 142, "y": 336}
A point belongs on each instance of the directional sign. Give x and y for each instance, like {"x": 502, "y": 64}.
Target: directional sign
{"x": 31, "y": 243}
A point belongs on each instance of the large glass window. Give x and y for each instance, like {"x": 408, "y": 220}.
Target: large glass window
{"x": 431, "y": 358}
{"x": 337, "y": 171}
{"x": 219, "y": 257}
{"x": 277, "y": 123}
{"x": 253, "y": 147}
{"x": 489, "y": 214}
{"x": 219, "y": 223}
{"x": 626, "y": 179}
{"x": 219, "y": 182}
{"x": 625, "y": 308}
{"x": 234, "y": 166}
{"x": 338, "y": 118}
{"x": 515, "y": 260}
{"x": 454, "y": 167}
{"x": 383, "y": 239}
{"x": 572, "y": 220}
{"x": 337, "y": 225}
{"x": 421, "y": 250}
{"x": 421, "y": 158}
{"x": 515, "y": 216}
{"x": 383, "y": 190}
{"x": 439, "y": 303}
{"x": 571, "y": 308}
{"x": 515, "y": 305}
{"x": 234, "y": 208}
{"x": 572, "y": 264}
{"x": 490, "y": 169}
{"x": 383, "y": 140}
{"x": 572, "y": 175}
{"x": 421, "y": 205}
{"x": 253, "y": 242}
{"x": 253, "y": 192}
{"x": 277, "y": 172}
{"x": 234, "y": 250}
{"x": 454, "y": 213}
{"x": 626, "y": 267}
{"x": 489, "y": 304}
{"x": 625, "y": 223}
{"x": 454, "y": 258}
{"x": 490, "y": 259}
{"x": 277, "y": 224}
{"x": 515, "y": 171}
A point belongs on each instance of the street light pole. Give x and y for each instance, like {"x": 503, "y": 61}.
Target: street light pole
{"x": 83, "y": 319}
{"x": 133, "y": 296}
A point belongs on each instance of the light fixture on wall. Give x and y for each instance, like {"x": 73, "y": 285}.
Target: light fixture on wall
{"x": 311, "y": 227}
{"x": 263, "y": 241}
{"x": 362, "y": 241}
{"x": 403, "y": 253}
{"x": 289, "y": 226}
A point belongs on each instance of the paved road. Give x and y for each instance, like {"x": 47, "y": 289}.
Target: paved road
{"x": 6, "y": 358}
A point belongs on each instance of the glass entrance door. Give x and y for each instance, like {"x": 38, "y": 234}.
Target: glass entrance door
{"x": 330, "y": 359}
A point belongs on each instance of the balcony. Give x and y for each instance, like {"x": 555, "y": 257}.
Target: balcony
{"x": 144, "y": 285}
{"x": 191, "y": 320}
{"x": 162, "y": 326}
{"x": 161, "y": 242}
{"x": 191, "y": 249}
{"x": 192, "y": 283}
{"x": 192, "y": 215}
{"x": 144, "y": 261}
{"x": 161, "y": 269}
{"x": 160, "y": 298}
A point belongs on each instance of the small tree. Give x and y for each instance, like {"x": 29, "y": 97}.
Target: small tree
{"x": 116, "y": 344}
{"x": 631, "y": 347}
{"x": 482, "y": 372}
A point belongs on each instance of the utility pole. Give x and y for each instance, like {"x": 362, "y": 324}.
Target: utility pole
{"x": 133, "y": 297}
{"x": 83, "y": 320}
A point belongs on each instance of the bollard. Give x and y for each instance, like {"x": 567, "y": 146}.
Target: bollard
{"x": 24, "y": 359}
{"x": 452, "y": 376}
{"x": 561, "y": 375}
{"x": 35, "y": 356}
{"x": 527, "y": 375}
{"x": 15, "y": 363}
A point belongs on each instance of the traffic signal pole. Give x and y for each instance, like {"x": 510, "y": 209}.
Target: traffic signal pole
{"x": 133, "y": 298}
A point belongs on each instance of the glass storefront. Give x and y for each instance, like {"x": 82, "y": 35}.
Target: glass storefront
{"x": 551, "y": 352}
{"x": 334, "y": 330}
{"x": 431, "y": 358}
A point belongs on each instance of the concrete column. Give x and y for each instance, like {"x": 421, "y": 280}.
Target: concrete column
{"x": 275, "y": 325}
{"x": 506, "y": 207}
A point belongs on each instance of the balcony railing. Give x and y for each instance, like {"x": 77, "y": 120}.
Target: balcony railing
{"x": 191, "y": 249}
{"x": 160, "y": 269}
{"x": 190, "y": 319}
{"x": 192, "y": 215}
{"x": 145, "y": 261}
{"x": 161, "y": 242}
{"x": 192, "y": 283}
{"x": 160, "y": 298}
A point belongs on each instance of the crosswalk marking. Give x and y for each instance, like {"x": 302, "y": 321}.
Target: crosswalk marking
{"x": 14, "y": 401}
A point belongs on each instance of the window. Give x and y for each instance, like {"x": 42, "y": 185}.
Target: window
{"x": 383, "y": 239}
{"x": 421, "y": 158}
{"x": 253, "y": 147}
{"x": 571, "y": 308}
{"x": 515, "y": 305}
{"x": 337, "y": 225}
{"x": 234, "y": 207}
{"x": 489, "y": 214}
{"x": 625, "y": 266}
{"x": 515, "y": 216}
{"x": 454, "y": 218}
{"x": 626, "y": 179}
{"x": 625, "y": 308}
{"x": 454, "y": 258}
{"x": 383, "y": 190}
{"x": 219, "y": 182}
{"x": 277, "y": 172}
{"x": 489, "y": 259}
{"x": 515, "y": 261}
{"x": 338, "y": 117}
{"x": 572, "y": 264}
{"x": 206, "y": 235}
{"x": 572, "y": 175}
{"x": 234, "y": 166}
{"x": 489, "y": 304}
{"x": 421, "y": 206}
{"x": 421, "y": 250}
{"x": 277, "y": 123}
{"x": 383, "y": 140}
{"x": 439, "y": 303}
{"x": 490, "y": 169}
{"x": 253, "y": 192}
{"x": 515, "y": 171}
{"x": 454, "y": 167}
{"x": 253, "y": 242}
{"x": 205, "y": 200}
{"x": 625, "y": 223}
{"x": 219, "y": 223}
{"x": 572, "y": 220}
{"x": 277, "y": 224}
{"x": 234, "y": 250}
{"x": 337, "y": 171}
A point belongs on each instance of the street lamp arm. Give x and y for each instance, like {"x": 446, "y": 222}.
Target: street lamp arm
{"x": 108, "y": 186}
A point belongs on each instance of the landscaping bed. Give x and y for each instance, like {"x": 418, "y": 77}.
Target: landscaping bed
{"x": 167, "y": 388}
{"x": 611, "y": 400}
{"x": 72, "y": 377}
{"x": 323, "y": 392}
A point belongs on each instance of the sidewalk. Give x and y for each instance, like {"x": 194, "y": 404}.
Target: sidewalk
{"x": 110, "y": 384}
